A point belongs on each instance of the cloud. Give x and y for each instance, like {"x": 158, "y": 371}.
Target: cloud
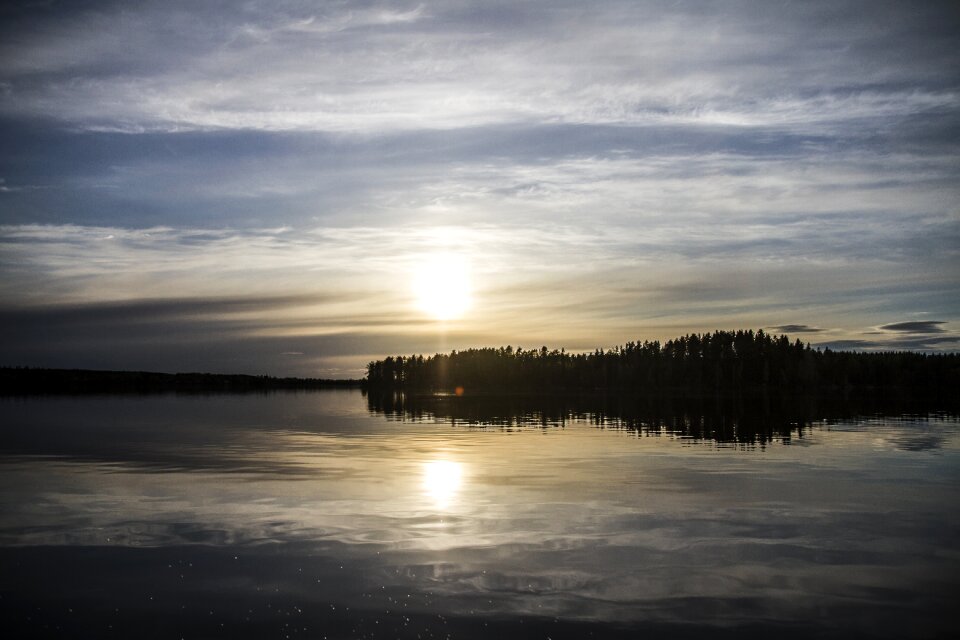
{"x": 847, "y": 345}
{"x": 926, "y": 343}
{"x": 913, "y": 343}
{"x": 611, "y": 285}
{"x": 622, "y": 171}
{"x": 357, "y": 67}
{"x": 921, "y": 326}
{"x": 242, "y": 335}
{"x": 795, "y": 328}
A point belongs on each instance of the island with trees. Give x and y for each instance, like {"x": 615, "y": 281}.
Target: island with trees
{"x": 718, "y": 363}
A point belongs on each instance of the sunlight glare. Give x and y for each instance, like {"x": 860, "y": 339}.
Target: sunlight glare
{"x": 442, "y": 480}
{"x": 441, "y": 285}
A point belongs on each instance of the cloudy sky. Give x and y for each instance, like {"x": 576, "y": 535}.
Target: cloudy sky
{"x": 258, "y": 187}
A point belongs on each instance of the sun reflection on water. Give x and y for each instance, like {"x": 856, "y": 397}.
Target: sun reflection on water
{"x": 441, "y": 481}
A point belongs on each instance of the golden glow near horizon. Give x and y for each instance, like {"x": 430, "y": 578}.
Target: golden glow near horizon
{"x": 441, "y": 481}
{"x": 441, "y": 285}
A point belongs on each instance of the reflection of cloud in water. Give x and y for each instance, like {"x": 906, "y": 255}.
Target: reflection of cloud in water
{"x": 916, "y": 441}
{"x": 901, "y": 433}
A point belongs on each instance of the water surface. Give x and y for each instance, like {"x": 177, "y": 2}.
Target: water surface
{"x": 330, "y": 514}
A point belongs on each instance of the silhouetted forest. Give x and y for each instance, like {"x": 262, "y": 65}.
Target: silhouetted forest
{"x": 23, "y": 381}
{"x": 723, "y": 362}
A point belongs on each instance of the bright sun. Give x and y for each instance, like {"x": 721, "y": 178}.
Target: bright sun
{"x": 441, "y": 285}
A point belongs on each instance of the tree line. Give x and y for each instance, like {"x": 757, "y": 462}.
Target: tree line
{"x": 30, "y": 381}
{"x": 718, "y": 362}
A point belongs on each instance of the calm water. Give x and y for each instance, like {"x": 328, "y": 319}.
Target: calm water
{"x": 328, "y": 514}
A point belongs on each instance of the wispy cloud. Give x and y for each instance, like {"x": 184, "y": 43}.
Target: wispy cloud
{"x": 919, "y": 343}
{"x": 359, "y": 279}
{"x": 912, "y": 335}
{"x": 362, "y": 67}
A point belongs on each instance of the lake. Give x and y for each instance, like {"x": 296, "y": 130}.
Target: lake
{"x": 331, "y": 514}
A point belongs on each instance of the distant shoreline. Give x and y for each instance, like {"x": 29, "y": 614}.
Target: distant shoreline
{"x": 17, "y": 381}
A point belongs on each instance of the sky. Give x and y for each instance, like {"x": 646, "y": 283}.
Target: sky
{"x": 296, "y": 188}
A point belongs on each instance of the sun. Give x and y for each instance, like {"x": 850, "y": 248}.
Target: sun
{"x": 441, "y": 285}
